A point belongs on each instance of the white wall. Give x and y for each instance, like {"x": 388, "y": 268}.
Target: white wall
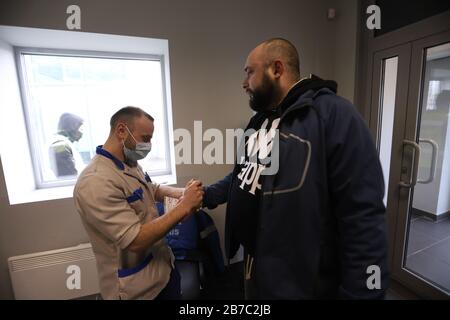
{"x": 344, "y": 54}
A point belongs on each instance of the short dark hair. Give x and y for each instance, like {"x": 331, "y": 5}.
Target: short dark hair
{"x": 283, "y": 49}
{"x": 127, "y": 115}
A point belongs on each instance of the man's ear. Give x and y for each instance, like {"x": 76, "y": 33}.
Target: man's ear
{"x": 278, "y": 68}
{"x": 121, "y": 131}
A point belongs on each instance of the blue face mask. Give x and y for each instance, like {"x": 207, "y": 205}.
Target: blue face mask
{"x": 141, "y": 151}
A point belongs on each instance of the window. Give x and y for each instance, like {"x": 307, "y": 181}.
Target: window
{"x": 68, "y": 92}
{"x": 61, "y": 89}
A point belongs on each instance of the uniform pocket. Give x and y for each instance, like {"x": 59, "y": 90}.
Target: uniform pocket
{"x": 134, "y": 286}
{"x": 136, "y": 201}
{"x": 138, "y": 194}
{"x": 144, "y": 281}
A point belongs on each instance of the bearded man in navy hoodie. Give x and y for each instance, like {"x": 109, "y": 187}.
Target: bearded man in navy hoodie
{"x": 313, "y": 228}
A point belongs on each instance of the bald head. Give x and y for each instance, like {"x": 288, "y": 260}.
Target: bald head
{"x": 271, "y": 69}
{"x": 283, "y": 50}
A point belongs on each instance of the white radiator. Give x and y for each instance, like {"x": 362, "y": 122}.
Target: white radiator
{"x": 67, "y": 273}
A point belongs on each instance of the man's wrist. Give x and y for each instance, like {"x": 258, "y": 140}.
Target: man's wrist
{"x": 184, "y": 209}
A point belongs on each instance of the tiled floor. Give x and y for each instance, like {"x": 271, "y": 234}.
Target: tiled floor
{"x": 429, "y": 250}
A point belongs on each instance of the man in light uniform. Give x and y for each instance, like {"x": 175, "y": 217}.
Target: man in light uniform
{"x": 116, "y": 202}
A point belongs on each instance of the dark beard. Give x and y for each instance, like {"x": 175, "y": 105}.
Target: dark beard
{"x": 262, "y": 98}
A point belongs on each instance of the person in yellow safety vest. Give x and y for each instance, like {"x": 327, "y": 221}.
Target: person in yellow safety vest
{"x": 65, "y": 160}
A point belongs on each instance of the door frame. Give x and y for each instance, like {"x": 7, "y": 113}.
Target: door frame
{"x": 403, "y": 52}
{"x": 372, "y": 50}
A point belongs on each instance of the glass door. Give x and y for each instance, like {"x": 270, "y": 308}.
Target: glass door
{"x": 421, "y": 258}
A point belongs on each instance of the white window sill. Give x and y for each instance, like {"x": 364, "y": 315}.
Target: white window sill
{"x": 66, "y": 192}
{"x": 42, "y": 195}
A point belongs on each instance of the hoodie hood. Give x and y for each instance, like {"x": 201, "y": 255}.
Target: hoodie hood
{"x": 313, "y": 83}
{"x": 68, "y": 126}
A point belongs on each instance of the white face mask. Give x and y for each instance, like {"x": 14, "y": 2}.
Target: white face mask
{"x": 141, "y": 151}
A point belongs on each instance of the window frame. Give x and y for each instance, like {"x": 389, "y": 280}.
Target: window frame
{"x": 29, "y": 112}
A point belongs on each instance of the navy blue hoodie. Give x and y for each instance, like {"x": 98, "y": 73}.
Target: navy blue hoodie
{"x": 320, "y": 225}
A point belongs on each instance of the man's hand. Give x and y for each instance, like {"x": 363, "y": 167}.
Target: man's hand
{"x": 190, "y": 182}
{"x": 155, "y": 229}
{"x": 193, "y": 196}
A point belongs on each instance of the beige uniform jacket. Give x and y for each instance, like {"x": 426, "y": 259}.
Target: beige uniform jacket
{"x": 114, "y": 201}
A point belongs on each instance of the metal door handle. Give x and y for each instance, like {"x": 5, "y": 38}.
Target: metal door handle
{"x": 434, "y": 148}
{"x": 416, "y": 157}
